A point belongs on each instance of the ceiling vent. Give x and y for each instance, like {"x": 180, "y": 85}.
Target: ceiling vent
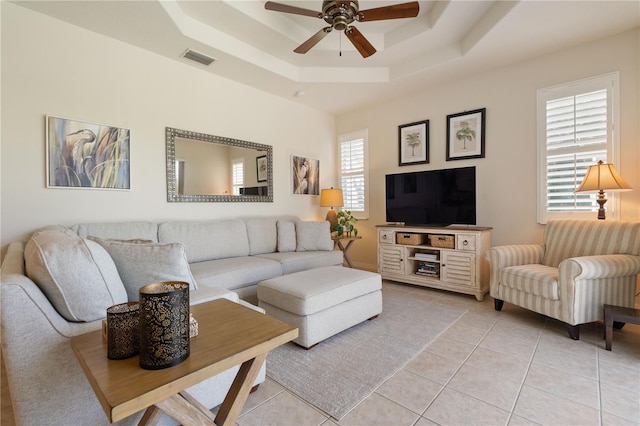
{"x": 198, "y": 57}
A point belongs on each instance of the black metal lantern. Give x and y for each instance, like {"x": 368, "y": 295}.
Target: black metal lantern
{"x": 122, "y": 330}
{"x": 164, "y": 324}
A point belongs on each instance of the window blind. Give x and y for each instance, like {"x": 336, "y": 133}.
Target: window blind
{"x": 237, "y": 176}
{"x": 576, "y": 137}
{"x": 352, "y": 167}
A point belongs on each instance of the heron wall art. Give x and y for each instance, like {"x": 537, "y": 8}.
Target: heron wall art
{"x": 87, "y": 155}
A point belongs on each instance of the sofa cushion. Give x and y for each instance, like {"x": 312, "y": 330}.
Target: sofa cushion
{"x": 536, "y": 279}
{"x": 207, "y": 240}
{"x": 140, "y": 264}
{"x": 262, "y": 234}
{"x": 119, "y": 230}
{"x": 286, "y": 236}
{"x": 235, "y": 272}
{"x": 77, "y": 275}
{"x": 311, "y": 236}
{"x": 299, "y": 261}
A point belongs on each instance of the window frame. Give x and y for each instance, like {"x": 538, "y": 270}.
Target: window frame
{"x": 610, "y": 82}
{"x": 363, "y": 135}
{"x": 235, "y": 187}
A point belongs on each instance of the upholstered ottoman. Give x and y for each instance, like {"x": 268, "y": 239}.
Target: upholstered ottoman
{"x": 322, "y": 302}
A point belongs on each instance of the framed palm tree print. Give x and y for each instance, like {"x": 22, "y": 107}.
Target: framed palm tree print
{"x": 413, "y": 143}
{"x": 465, "y": 135}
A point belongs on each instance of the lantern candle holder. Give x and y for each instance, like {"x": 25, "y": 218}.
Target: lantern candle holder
{"x": 164, "y": 324}
{"x": 122, "y": 330}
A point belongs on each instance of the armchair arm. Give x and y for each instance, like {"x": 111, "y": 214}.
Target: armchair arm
{"x": 602, "y": 266}
{"x": 512, "y": 255}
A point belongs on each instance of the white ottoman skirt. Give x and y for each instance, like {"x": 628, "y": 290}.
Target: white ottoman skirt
{"x": 322, "y": 302}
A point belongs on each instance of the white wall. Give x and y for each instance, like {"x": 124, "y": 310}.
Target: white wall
{"x": 50, "y": 67}
{"x": 506, "y": 177}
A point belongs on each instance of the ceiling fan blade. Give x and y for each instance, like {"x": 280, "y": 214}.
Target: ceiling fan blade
{"x": 365, "y": 48}
{"x": 396, "y": 11}
{"x": 279, "y": 7}
{"x": 315, "y": 39}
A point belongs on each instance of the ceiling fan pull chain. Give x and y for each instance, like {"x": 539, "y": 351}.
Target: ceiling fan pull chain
{"x": 340, "y": 50}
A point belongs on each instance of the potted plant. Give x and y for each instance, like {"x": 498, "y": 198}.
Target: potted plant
{"x": 345, "y": 224}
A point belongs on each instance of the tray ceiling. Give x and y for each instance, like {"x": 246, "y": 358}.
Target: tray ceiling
{"x": 448, "y": 39}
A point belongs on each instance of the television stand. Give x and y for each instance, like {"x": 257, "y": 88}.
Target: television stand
{"x": 449, "y": 257}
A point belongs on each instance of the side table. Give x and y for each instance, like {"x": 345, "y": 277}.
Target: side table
{"x": 339, "y": 242}
{"x": 617, "y": 314}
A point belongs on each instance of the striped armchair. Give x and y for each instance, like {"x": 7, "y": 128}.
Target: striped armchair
{"x": 581, "y": 266}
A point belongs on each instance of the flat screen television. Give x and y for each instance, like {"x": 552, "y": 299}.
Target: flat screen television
{"x": 432, "y": 197}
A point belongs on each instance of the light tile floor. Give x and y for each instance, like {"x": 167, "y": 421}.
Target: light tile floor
{"x": 511, "y": 367}
{"x": 495, "y": 368}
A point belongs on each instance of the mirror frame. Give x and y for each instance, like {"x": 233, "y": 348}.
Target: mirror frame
{"x": 172, "y": 192}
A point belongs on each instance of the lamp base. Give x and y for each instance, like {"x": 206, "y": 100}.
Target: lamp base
{"x": 601, "y": 200}
{"x": 332, "y": 218}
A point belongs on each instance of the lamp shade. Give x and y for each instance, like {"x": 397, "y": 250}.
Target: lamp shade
{"x": 331, "y": 198}
{"x": 603, "y": 176}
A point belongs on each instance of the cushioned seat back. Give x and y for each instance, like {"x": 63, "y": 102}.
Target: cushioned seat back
{"x": 207, "y": 240}
{"x": 564, "y": 239}
{"x": 119, "y": 230}
{"x": 263, "y": 233}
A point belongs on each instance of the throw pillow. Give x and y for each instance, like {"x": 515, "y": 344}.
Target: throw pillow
{"x": 77, "y": 276}
{"x": 286, "y": 236}
{"x": 312, "y": 236}
{"x": 262, "y": 235}
{"x": 140, "y": 264}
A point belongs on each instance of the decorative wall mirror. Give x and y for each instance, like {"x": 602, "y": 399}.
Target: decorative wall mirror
{"x": 207, "y": 168}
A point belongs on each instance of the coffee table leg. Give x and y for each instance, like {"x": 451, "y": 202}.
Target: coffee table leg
{"x": 608, "y": 330}
{"x": 151, "y": 416}
{"x": 186, "y": 410}
{"x": 236, "y": 397}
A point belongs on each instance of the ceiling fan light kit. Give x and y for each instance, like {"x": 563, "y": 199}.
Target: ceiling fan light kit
{"x": 339, "y": 14}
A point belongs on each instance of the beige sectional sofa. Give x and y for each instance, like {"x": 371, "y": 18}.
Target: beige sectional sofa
{"x": 59, "y": 283}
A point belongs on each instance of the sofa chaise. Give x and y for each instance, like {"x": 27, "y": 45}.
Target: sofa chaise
{"x": 60, "y": 282}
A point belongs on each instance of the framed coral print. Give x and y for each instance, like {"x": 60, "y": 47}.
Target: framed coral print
{"x": 87, "y": 155}
{"x": 465, "y": 135}
{"x": 261, "y": 168}
{"x": 413, "y": 143}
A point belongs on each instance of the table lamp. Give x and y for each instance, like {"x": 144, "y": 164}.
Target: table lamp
{"x": 331, "y": 198}
{"x": 603, "y": 177}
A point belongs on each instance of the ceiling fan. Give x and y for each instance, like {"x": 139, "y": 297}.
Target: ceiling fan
{"x": 339, "y": 14}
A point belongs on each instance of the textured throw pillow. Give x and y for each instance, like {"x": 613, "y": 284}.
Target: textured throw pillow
{"x": 312, "y": 236}
{"x": 286, "y": 236}
{"x": 140, "y": 264}
{"x": 77, "y": 275}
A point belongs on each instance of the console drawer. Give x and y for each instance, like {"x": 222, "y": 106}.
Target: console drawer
{"x": 466, "y": 242}
{"x": 386, "y": 237}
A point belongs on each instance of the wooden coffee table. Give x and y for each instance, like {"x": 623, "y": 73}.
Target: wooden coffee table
{"x": 229, "y": 334}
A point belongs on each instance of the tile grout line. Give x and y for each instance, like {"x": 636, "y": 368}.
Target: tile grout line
{"x": 456, "y": 372}
{"x": 515, "y": 402}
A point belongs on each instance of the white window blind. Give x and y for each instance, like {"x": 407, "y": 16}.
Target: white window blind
{"x": 237, "y": 177}
{"x": 575, "y": 131}
{"x": 354, "y": 173}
